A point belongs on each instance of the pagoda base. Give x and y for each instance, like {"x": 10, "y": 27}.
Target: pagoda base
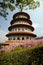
{"x": 18, "y": 41}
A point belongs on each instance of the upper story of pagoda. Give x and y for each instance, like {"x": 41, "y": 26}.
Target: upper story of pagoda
{"x": 21, "y": 20}
{"x": 21, "y": 16}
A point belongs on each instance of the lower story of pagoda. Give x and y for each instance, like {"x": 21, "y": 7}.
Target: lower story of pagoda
{"x": 16, "y": 38}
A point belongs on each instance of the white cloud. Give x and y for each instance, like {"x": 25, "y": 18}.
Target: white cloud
{"x": 3, "y": 38}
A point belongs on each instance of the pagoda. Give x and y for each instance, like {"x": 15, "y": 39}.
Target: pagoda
{"x": 21, "y": 28}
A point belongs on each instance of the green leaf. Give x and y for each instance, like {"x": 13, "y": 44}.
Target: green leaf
{"x": 11, "y": 7}
{"x": 6, "y": 0}
{"x": 12, "y": 1}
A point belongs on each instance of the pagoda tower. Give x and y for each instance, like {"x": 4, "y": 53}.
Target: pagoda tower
{"x": 21, "y": 28}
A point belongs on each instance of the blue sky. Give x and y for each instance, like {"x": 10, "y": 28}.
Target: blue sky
{"x": 35, "y": 15}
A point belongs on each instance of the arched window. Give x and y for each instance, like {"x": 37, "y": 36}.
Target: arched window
{"x": 26, "y": 28}
{"x": 29, "y": 30}
{"x": 10, "y": 38}
{"x": 18, "y": 38}
{"x": 14, "y": 38}
{"x": 22, "y": 38}
{"x": 22, "y": 29}
{"x": 27, "y": 37}
{"x": 30, "y": 38}
{"x": 15, "y": 29}
{"x": 12, "y": 29}
{"x": 18, "y": 28}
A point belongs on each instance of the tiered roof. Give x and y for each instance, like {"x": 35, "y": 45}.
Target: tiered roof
{"x": 21, "y": 24}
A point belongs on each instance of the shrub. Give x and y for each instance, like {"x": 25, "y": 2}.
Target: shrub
{"x": 20, "y": 56}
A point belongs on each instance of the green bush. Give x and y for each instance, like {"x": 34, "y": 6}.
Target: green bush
{"x": 20, "y": 56}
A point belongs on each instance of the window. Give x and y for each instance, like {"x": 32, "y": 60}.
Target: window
{"x": 30, "y": 38}
{"x": 18, "y": 28}
{"x": 15, "y": 29}
{"x": 22, "y": 38}
{"x": 9, "y": 38}
{"x": 12, "y": 29}
{"x": 29, "y": 30}
{"x": 14, "y": 38}
{"x": 17, "y": 22}
{"x": 21, "y": 16}
{"x": 18, "y": 38}
{"x": 26, "y": 28}
{"x": 27, "y": 37}
{"x": 22, "y": 29}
